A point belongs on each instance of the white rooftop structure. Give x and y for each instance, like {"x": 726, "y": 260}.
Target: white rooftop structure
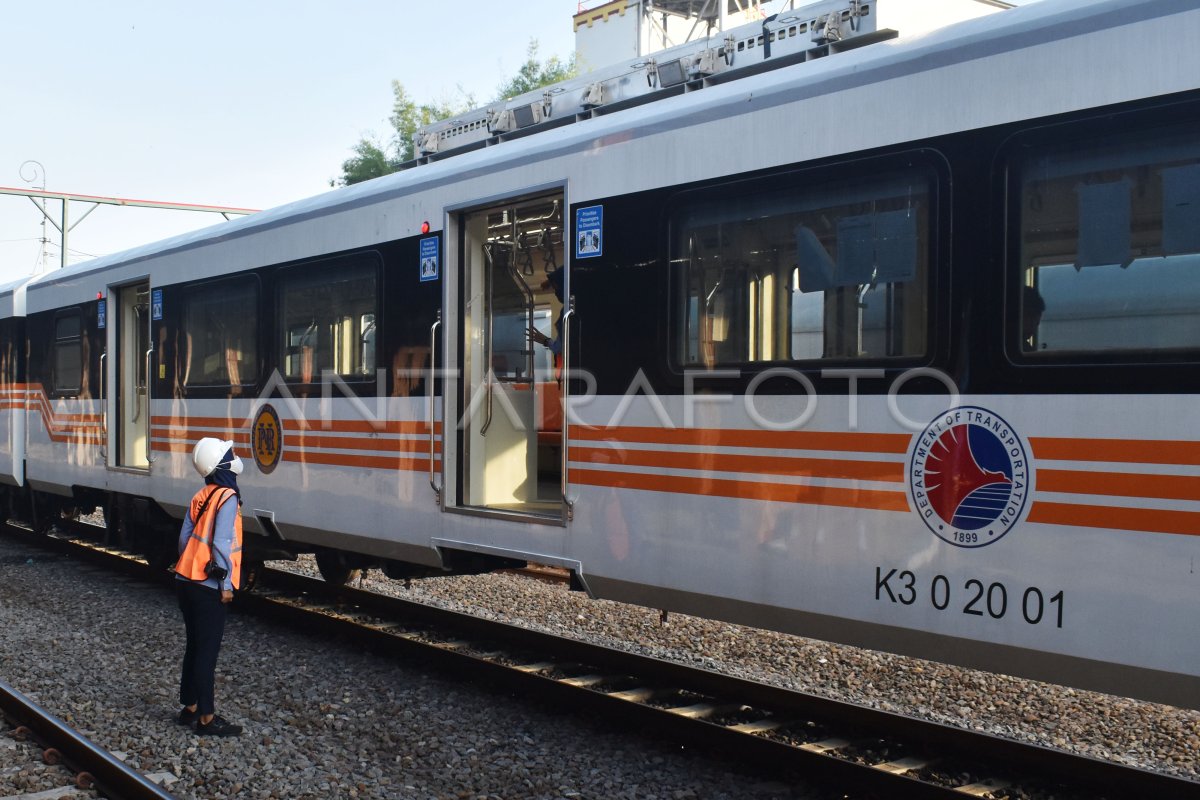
{"x": 708, "y": 54}
{"x": 622, "y": 29}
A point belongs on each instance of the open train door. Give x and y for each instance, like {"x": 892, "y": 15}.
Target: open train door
{"x": 509, "y": 449}
{"x": 128, "y": 402}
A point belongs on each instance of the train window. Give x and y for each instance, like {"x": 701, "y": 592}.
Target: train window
{"x": 329, "y": 319}
{"x": 833, "y": 270}
{"x": 1110, "y": 245}
{"x": 68, "y": 352}
{"x": 220, "y": 334}
{"x": 11, "y": 345}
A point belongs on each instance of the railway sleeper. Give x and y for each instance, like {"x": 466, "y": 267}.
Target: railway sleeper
{"x": 706, "y": 710}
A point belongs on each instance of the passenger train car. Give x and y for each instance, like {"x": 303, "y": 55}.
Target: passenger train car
{"x": 893, "y": 345}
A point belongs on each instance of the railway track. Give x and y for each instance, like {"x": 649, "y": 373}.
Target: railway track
{"x": 778, "y": 731}
{"x": 94, "y": 771}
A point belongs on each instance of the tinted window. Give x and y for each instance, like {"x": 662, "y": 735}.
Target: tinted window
{"x": 220, "y": 334}
{"x": 68, "y": 352}
{"x": 834, "y": 269}
{"x": 1109, "y": 256}
{"x": 329, "y": 314}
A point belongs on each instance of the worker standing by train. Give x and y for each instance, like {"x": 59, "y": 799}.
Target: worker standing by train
{"x": 208, "y": 570}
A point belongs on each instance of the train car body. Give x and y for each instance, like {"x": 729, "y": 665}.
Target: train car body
{"x": 12, "y": 388}
{"x": 895, "y": 347}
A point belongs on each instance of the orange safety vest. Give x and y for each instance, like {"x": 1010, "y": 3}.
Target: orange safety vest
{"x": 198, "y": 551}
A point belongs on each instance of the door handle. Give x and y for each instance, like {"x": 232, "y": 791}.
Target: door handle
{"x": 103, "y": 407}
{"x": 149, "y": 430}
{"x": 437, "y": 490}
{"x": 565, "y": 394}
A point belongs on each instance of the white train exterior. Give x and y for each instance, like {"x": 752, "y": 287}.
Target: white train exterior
{"x": 896, "y": 348}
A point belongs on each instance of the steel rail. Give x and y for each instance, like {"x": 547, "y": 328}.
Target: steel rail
{"x": 571, "y": 673}
{"x": 114, "y": 780}
{"x": 1093, "y": 778}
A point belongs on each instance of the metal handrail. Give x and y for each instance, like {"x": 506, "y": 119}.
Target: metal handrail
{"x": 490, "y": 375}
{"x": 149, "y": 416}
{"x": 104, "y": 406}
{"x": 565, "y": 394}
{"x": 437, "y": 491}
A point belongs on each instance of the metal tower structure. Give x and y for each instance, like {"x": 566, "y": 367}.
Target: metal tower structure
{"x": 64, "y": 225}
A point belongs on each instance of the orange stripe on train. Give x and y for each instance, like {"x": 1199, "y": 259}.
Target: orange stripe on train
{"x": 193, "y": 435}
{"x": 745, "y": 490}
{"x": 1119, "y": 484}
{"x": 361, "y": 426}
{"x": 1149, "y": 520}
{"x": 891, "y": 472}
{"x": 1130, "y": 451}
{"x": 371, "y": 462}
{"x": 319, "y": 426}
{"x": 184, "y": 444}
{"x": 855, "y": 442}
{"x": 310, "y": 441}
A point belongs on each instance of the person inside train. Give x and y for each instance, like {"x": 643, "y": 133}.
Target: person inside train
{"x": 554, "y": 281}
{"x": 207, "y": 573}
{"x": 1032, "y": 309}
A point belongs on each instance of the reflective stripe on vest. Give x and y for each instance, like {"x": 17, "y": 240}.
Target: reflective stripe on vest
{"x": 198, "y": 551}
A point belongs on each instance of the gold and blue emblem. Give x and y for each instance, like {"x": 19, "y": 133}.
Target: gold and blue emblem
{"x": 266, "y": 439}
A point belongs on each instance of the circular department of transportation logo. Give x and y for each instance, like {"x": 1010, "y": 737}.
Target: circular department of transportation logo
{"x": 266, "y": 439}
{"x": 968, "y": 476}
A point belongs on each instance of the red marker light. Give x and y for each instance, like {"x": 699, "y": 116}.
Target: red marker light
{"x": 99, "y": 295}
{"x": 424, "y": 227}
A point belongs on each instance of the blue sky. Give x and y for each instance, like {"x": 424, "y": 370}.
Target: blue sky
{"x": 225, "y": 102}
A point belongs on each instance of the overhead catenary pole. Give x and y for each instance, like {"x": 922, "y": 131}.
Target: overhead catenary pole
{"x": 64, "y": 228}
{"x": 38, "y": 171}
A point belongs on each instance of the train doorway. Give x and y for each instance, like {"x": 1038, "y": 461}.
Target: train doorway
{"x": 132, "y": 397}
{"x": 511, "y": 443}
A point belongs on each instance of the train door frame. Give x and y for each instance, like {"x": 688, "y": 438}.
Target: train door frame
{"x": 460, "y": 394}
{"x": 129, "y": 341}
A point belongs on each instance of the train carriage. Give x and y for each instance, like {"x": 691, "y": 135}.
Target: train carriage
{"x": 892, "y": 345}
{"x": 12, "y": 388}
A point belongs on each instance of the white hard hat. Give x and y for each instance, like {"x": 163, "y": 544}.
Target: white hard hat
{"x": 207, "y": 455}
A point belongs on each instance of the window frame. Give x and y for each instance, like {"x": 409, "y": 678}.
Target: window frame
{"x": 251, "y": 278}
{"x": 57, "y": 389}
{"x": 927, "y": 163}
{"x": 280, "y": 278}
{"x": 1080, "y": 135}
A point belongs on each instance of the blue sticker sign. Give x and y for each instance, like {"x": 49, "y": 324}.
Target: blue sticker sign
{"x": 429, "y": 259}
{"x": 156, "y": 304}
{"x": 589, "y": 231}
{"x": 101, "y": 312}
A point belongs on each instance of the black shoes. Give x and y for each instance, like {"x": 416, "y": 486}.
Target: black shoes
{"x": 218, "y": 726}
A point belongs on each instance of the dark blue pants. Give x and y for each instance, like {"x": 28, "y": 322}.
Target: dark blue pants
{"x": 204, "y": 617}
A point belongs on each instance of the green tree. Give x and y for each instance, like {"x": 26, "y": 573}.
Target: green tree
{"x": 372, "y": 159}
{"x": 535, "y": 74}
{"x": 408, "y": 115}
{"x": 369, "y": 161}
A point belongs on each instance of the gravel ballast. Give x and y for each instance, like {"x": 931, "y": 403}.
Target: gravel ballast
{"x": 1148, "y": 735}
{"x": 102, "y": 652}
{"x": 323, "y": 721}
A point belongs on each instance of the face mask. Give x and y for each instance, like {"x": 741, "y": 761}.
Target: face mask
{"x": 234, "y": 466}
